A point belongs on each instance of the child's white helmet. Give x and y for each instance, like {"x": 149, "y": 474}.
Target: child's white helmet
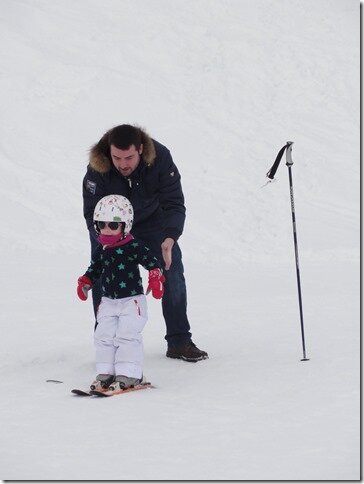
{"x": 115, "y": 208}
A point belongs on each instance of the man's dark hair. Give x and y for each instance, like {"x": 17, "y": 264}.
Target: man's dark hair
{"x": 125, "y": 135}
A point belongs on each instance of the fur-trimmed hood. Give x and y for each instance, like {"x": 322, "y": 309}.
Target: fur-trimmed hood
{"x": 100, "y": 159}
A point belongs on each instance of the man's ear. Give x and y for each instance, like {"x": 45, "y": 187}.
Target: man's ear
{"x": 141, "y": 149}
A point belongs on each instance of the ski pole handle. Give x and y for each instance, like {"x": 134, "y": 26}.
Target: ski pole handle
{"x": 289, "y": 161}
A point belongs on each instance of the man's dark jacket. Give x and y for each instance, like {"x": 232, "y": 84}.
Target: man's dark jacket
{"x": 154, "y": 188}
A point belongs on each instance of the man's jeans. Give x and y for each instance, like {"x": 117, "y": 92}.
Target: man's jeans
{"x": 174, "y": 302}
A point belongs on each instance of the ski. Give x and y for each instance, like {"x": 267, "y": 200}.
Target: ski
{"x": 142, "y": 386}
{"x": 81, "y": 393}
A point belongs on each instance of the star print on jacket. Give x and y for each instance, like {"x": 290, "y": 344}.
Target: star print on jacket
{"x": 118, "y": 268}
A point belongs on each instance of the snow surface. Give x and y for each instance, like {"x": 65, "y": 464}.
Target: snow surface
{"x": 224, "y": 84}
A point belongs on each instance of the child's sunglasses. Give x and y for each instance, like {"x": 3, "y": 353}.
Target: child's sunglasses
{"x": 111, "y": 225}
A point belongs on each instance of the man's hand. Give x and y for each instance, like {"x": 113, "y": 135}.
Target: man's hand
{"x": 167, "y": 252}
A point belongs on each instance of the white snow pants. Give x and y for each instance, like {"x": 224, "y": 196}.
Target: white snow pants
{"x": 118, "y": 336}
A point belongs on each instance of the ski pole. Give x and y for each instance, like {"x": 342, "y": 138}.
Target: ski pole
{"x": 270, "y": 175}
{"x": 289, "y": 164}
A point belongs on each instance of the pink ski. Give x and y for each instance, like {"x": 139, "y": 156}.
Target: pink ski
{"x": 142, "y": 386}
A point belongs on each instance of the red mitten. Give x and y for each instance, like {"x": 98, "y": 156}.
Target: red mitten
{"x": 84, "y": 285}
{"x": 155, "y": 283}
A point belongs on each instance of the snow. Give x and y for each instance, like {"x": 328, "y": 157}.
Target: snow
{"x": 224, "y": 84}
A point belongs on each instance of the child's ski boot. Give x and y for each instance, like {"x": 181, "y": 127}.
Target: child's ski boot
{"x": 122, "y": 382}
{"x": 102, "y": 383}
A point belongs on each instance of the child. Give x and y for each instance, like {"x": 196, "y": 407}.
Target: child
{"x": 122, "y": 313}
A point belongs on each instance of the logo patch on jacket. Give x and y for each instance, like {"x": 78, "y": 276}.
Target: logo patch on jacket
{"x": 91, "y": 186}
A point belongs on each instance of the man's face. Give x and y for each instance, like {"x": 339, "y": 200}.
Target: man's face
{"x": 126, "y": 161}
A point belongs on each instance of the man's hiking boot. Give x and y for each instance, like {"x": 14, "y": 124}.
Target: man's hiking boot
{"x": 188, "y": 352}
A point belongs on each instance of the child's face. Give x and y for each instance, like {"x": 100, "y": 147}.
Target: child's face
{"x": 110, "y": 231}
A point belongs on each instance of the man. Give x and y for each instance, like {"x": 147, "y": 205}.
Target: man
{"x": 126, "y": 161}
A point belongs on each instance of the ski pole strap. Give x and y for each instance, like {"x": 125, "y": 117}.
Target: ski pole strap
{"x": 275, "y": 165}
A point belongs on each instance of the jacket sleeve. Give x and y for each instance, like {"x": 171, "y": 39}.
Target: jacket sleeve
{"x": 95, "y": 268}
{"x": 93, "y": 189}
{"x": 147, "y": 258}
{"x": 171, "y": 198}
